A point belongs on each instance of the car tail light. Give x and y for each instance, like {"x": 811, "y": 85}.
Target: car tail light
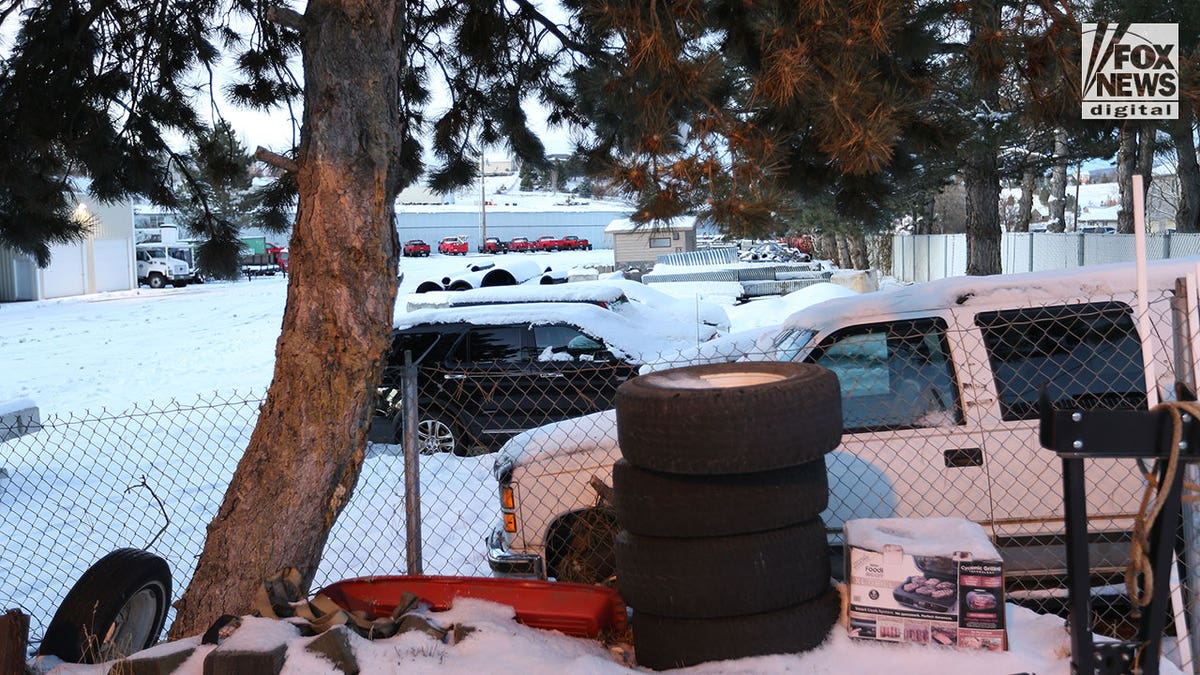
{"x": 506, "y": 498}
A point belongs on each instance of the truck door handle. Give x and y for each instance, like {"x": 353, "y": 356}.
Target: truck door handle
{"x": 960, "y": 458}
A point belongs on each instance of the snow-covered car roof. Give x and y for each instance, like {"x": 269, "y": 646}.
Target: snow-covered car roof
{"x": 638, "y": 332}
{"x": 575, "y": 292}
{"x": 1082, "y": 284}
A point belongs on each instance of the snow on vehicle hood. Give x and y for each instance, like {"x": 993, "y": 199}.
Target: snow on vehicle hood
{"x": 594, "y": 433}
{"x": 640, "y": 333}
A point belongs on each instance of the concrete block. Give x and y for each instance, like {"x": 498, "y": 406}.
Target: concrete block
{"x": 335, "y": 646}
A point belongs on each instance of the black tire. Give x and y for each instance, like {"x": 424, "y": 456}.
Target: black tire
{"x": 657, "y": 504}
{"x": 729, "y": 417}
{"x": 118, "y": 607}
{"x": 579, "y": 547}
{"x": 156, "y": 280}
{"x": 665, "y": 642}
{"x": 708, "y": 577}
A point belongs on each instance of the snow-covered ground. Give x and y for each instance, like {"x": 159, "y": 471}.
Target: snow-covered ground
{"x": 115, "y": 351}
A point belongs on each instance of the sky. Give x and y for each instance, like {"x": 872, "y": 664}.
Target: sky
{"x": 93, "y": 352}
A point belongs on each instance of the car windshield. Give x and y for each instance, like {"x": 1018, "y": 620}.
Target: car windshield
{"x": 794, "y": 344}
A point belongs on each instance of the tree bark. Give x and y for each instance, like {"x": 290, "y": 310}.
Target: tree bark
{"x": 14, "y": 640}
{"x": 1187, "y": 209}
{"x": 1058, "y": 184}
{"x": 1025, "y": 204}
{"x": 982, "y": 179}
{"x": 858, "y": 250}
{"x": 843, "y": 251}
{"x": 1126, "y": 160}
{"x": 981, "y": 174}
{"x": 305, "y": 454}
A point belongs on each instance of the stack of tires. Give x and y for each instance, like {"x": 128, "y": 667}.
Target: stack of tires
{"x": 722, "y": 552}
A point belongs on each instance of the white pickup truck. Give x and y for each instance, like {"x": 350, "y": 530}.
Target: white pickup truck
{"x": 939, "y": 386}
{"x": 158, "y": 265}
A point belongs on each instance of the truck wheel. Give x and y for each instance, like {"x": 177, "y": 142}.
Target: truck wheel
{"x": 706, "y": 577}
{"x": 579, "y": 547}
{"x": 664, "y": 642}
{"x": 729, "y": 418}
{"x": 117, "y": 607}
{"x": 156, "y": 280}
{"x": 658, "y": 504}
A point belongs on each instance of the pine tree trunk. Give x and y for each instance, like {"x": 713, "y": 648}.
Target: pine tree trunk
{"x": 981, "y": 174}
{"x": 1126, "y": 159}
{"x": 305, "y": 454}
{"x": 1145, "y": 159}
{"x": 1025, "y": 204}
{"x": 827, "y": 246}
{"x": 1058, "y": 184}
{"x": 858, "y": 250}
{"x": 982, "y": 179}
{"x": 843, "y": 251}
{"x": 1187, "y": 210}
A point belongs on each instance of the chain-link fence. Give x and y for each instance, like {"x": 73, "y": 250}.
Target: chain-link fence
{"x": 939, "y": 411}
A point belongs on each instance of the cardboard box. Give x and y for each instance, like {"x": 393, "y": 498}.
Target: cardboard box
{"x": 926, "y": 581}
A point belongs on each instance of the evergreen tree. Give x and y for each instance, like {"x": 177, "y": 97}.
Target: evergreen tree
{"x": 733, "y": 109}
{"x": 216, "y": 201}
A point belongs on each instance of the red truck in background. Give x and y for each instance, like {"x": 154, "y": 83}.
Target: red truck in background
{"x": 549, "y": 243}
{"x": 281, "y": 256}
{"x": 574, "y": 243}
{"x": 414, "y": 248}
{"x": 493, "y": 245}
{"x": 521, "y": 245}
{"x": 453, "y": 245}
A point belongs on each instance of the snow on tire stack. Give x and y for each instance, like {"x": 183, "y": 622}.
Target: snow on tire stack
{"x": 722, "y": 552}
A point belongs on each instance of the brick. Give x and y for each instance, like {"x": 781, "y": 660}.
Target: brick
{"x": 245, "y": 661}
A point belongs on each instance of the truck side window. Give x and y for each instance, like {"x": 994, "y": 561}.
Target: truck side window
{"x": 895, "y": 375}
{"x": 502, "y": 343}
{"x": 1087, "y": 356}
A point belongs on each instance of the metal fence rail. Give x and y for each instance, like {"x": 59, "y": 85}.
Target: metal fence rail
{"x": 915, "y": 445}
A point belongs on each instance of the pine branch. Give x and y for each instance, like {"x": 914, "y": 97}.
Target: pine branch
{"x": 288, "y": 18}
{"x": 275, "y": 159}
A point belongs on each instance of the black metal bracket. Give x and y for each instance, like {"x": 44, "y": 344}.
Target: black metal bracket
{"x": 1078, "y": 435}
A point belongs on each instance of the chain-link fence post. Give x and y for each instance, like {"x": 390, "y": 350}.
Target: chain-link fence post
{"x": 1184, "y": 325}
{"x": 412, "y": 475}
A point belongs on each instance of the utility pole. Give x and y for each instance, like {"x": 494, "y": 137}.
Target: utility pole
{"x": 482, "y": 205}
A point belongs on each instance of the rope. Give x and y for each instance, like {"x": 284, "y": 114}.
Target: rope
{"x": 1154, "y": 498}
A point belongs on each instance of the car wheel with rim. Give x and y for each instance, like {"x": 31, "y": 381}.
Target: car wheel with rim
{"x": 156, "y": 280}
{"x": 118, "y": 607}
{"x": 435, "y": 435}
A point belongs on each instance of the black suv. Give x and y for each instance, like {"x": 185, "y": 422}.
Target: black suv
{"x": 481, "y": 383}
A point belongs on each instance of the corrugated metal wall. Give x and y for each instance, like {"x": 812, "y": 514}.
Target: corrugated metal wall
{"x": 433, "y": 226}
